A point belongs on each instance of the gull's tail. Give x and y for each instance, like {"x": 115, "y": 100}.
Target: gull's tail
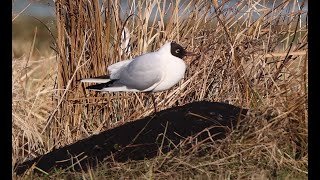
{"x": 110, "y": 86}
{"x": 99, "y": 79}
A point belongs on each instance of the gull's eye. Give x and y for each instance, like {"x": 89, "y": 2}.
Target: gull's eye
{"x": 177, "y": 51}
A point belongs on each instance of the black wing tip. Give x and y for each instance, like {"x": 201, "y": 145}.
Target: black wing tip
{"x": 101, "y": 85}
{"x": 96, "y": 87}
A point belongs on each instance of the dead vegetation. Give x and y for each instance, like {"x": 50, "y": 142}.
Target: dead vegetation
{"x": 252, "y": 54}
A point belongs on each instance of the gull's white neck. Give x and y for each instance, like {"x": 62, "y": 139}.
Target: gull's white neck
{"x": 166, "y": 48}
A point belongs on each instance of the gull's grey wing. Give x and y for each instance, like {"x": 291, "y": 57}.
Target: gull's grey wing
{"x": 143, "y": 73}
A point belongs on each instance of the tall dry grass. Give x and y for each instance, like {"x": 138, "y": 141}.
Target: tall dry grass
{"x": 251, "y": 55}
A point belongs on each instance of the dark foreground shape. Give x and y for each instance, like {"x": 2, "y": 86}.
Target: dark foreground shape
{"x": 142, "y": 138}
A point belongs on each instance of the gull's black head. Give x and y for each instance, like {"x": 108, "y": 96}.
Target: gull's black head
{"x": 178, "y": 51}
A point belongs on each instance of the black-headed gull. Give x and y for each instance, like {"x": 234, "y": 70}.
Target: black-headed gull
{"x": 150, "y": 72}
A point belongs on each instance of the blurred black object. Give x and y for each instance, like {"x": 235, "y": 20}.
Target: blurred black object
{"x": 142, "y": 138}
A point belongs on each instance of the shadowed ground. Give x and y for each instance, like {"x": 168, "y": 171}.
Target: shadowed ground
{"x": 143, "y": 138}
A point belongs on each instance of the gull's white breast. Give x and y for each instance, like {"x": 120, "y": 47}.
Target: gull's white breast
{"x": 173, "y": 71}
